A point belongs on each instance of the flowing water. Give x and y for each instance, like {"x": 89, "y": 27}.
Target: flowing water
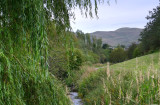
{"x": 75, "y": 99}
{"x": 74, "y": 95}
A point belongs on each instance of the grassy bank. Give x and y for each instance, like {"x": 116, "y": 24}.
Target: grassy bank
{"x": 132, "y": 82}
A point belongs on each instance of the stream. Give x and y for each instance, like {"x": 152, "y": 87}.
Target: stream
{"x": 75, "y": 99}
{"x": 74, "y": 95}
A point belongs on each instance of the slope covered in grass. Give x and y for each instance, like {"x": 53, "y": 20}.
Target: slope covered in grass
{"x": 132, "y": 82}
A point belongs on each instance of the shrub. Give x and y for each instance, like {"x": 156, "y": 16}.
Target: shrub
{"x": 58, "y": 63}
{"x": 75, "y": 59}
{"x": 118, "y": 55}
{"x": 137, "y": 51}
{"x": 130, "y": 50}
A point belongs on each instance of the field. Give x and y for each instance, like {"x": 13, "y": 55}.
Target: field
{"x": 134, "y": 81}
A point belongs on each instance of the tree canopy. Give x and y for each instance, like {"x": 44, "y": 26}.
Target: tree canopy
{"x": 24, "y": 77}
{"x": 150, "y": 36}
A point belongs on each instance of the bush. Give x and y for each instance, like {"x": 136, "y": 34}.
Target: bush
{"x": 118, "y": 55}
{"x": 75, "y": 59}
{"x": 130, "y": 50}
{"x": 91, "y": 57}
{"x": 58, "y": 63}
{"x": 137, "y": 51}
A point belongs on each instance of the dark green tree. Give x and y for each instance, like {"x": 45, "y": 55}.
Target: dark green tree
{"x": 89, "y": 43}
{"x": 130, "y": 50}
{"x": 105, "y": 46}
{"x": 81, "y": 36}
{"x": 94, "y": 43}
{"x": 150, "y": 36}
{"x": 118, "y": 55}
{"x": 138, "y": 51}
{"x": 75, "y": 59}
{"x": 99, "y": 43}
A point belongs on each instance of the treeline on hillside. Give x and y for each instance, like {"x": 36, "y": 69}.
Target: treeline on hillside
{"x": 97, "y": 52}
{"x": 149, "y": 41}
{"x": 121, "y": 53}
{"x": 91, "y": 45}
{"x": 150, "y": 36}
{"x": 68, "y": 51}
{"x": 64, "y": 55}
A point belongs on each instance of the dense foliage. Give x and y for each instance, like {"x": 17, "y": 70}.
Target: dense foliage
{"x": 24, "y": 75}
{"x": 148, "y": 43}
{"x": 130, "y": 50}
{"x": 75, "y": 59}
{"x": 118, "y": 55}
{"x": 150, "y": 37}
{"x": 134, "y": 81}
{"x": 93, "y": 47}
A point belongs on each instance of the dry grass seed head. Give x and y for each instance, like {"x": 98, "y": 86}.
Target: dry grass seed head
{"x": 108, "y": 70}
{"x": 88, "y": 71}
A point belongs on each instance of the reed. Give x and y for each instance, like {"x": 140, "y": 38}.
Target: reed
{"x": 132, "y": 82}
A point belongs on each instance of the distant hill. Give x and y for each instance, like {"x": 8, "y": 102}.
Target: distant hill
{"x": 124, "y": 36}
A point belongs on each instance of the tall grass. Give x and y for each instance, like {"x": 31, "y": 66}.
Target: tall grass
{"x": 132, "y": 82}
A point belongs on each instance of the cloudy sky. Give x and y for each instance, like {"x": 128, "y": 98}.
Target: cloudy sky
{"x": 124, "y": 13}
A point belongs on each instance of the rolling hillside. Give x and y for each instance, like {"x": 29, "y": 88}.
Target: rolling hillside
{"x": 131, "y": 82}
{"x": 124, "y": 36}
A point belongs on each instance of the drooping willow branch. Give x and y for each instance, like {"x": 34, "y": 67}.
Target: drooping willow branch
{"x": 23, "y": 23}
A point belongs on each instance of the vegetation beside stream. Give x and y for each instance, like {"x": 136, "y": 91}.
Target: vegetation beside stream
{"x": 135, "y": 81}
{"x": 132, "y": 82}
{"x": 39, "y": 55}
{"x": 25, "y": 31}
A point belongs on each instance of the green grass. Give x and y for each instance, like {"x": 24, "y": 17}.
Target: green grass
{"x": 134, "y": 81}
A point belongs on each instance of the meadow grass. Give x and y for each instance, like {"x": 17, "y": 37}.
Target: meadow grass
{"x": 134, "y": 81}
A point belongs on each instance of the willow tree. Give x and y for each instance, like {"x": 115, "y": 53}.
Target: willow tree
{"x": 24, "y": 78}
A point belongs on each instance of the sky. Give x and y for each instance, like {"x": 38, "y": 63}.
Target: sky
{"x": 124, "y": 13}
